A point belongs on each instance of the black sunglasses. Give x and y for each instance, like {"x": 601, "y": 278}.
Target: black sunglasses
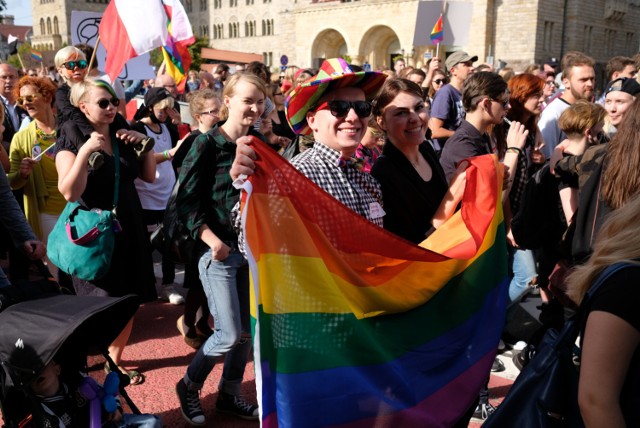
{"x": 104, "y": 103}
{"x": 439, "y": 81}
{"x": 340, "y": 109}
{"x": 70, "y": 65}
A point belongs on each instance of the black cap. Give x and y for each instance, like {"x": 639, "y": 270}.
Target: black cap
{"x": 155, "y": 95}
{"x": 624, "y": 84}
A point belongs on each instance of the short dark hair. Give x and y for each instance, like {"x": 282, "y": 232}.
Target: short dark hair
{"x": 618, "y": 63}
{"x": 88, "y": 52}
{"x": 480, "y": 85}
{"x": 221, "y": 68}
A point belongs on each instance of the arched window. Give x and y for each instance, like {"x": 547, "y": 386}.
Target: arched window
{"x": 56, "y": 30}
{"x": 48, "y": 25}
{"x": 41, "y": 25}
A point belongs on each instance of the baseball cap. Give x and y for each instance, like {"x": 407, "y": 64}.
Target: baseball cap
{"x": 458, "y": 57}
{"x": 624, "y": 84}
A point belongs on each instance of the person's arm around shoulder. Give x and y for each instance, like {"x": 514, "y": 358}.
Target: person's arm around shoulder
{"x": 607, "y": 338}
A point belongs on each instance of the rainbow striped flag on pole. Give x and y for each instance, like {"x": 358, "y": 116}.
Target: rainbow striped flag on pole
{"x": 437, "y": 34}
{"x": 175, "y": 52}
{"x": 36, "y": 55}
{"x": 355, "y": 327}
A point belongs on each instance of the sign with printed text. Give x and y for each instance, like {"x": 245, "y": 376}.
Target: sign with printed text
{"x": 84, "y": 29}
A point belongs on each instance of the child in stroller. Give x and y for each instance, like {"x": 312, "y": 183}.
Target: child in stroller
{"x": 44, "y": 344}
{"x": 69, "y": 407}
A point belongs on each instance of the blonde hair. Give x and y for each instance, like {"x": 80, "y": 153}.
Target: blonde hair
{"x": 197, "y": 100}
{"x": 580, "y": 116}
{"x": 68, "y": 53}
{"x": 229, "y": 89}
{"x": 80, "y": 90}
{"x": 618, "y": 240}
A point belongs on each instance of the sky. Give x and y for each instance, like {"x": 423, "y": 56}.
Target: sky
{"x": 21, "y": 10}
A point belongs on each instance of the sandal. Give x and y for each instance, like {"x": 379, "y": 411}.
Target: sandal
{"x": 194, "y": 342}
{"x": 135, "y": 377}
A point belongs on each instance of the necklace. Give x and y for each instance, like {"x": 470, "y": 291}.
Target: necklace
{"x": 41, "y": 135}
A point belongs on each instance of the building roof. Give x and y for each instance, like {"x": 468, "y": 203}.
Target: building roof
{"x": 22, "y": 32}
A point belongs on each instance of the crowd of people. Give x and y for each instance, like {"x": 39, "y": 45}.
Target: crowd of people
{"x": 390, "y": 145}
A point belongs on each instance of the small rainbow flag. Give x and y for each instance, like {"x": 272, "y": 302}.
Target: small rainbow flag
{"x": 176, "y": 55}
{"x": 437, "y": 34}
{"x": 355, "y": 327}
{"x": 36, "y": 55}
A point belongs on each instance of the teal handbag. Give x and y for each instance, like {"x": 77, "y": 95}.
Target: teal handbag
{"x": 82, "y": 240}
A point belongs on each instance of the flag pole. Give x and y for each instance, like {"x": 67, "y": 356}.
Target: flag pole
{"x": 444, "y": 11}
{"x": 21, "y": 63}
{"x": 95, "y": 50}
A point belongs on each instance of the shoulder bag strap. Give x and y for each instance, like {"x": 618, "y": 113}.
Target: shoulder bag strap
{"x": 116, "y": 157}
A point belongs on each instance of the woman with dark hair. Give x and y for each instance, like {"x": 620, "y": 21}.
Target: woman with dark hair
{"x": 608, "y": 176}
{"x": 414, "y": 187}
{"x": 526, "y": 98}
{"x": 439, "y": 80}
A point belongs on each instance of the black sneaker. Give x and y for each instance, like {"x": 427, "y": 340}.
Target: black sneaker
{"x": 190, "y": 404}
{"x": 497, "y": 366}
{"x": 236, "y": 406}
{"x": 483, "y": 411}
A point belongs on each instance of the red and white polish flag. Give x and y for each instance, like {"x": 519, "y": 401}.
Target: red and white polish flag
{"x": 131, "y": 28}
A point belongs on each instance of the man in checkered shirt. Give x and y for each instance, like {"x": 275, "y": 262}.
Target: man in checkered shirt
{"x": 335, "y": 107}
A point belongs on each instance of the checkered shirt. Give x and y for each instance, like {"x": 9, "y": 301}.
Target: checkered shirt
{"x": 355, "y": 189}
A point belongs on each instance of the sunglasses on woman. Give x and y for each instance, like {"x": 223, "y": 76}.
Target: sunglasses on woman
{"x": 70, "y": 65}
{"x": 440, "y": 81}
{"x": 27, "y": 99}
{"x": 104, "y": 103}
{"x": 340, "y": 109}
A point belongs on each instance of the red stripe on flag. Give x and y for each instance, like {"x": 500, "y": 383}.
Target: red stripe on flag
{"x": 114, "y": 38}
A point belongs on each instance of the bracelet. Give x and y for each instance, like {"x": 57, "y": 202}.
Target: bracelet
{"x": 167, "y": 155}
{"x": 515, "y": 150}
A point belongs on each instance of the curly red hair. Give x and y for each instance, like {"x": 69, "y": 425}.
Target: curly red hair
{"x": 44, "y": 86}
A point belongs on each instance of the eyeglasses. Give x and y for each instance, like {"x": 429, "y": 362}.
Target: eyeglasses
{"x": 504, "y": 103}
{"x": 104, "y": 103}
{"x": 341, "y": 109}
{"x": 440, "y": 81}
{"x": 70, "y": 65}
{"x": 281, "y": 77}
{"x": 211, "y": 112}
{"x": 27, "y": 99}
{"x": 550, "y": 83}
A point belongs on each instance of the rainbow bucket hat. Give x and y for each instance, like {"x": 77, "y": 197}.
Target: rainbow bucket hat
{"x": 334, "y": 73}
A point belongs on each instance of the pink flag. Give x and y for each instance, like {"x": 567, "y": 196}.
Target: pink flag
{"x": 131, "y": 28}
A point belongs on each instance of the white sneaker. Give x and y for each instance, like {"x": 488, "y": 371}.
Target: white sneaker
{"x": 170, "y": 294}
{"x": 519, "y": 345}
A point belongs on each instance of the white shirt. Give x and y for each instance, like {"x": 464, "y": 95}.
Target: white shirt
{"x": 154, "y": 196}
{"x": 548, "y": 124}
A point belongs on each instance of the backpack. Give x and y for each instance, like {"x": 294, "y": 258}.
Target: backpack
{"x": 538, "y": 220}
{"x": 545, "y": 394}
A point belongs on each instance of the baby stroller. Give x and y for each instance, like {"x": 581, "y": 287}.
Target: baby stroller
{"x": 61, "y": 326}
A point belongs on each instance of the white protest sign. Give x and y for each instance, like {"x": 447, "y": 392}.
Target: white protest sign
{"x": 456, "y": 22}
{"x": 84, "y": 29}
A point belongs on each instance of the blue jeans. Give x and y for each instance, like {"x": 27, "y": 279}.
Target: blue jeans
{"x": 226, "y": 285}
{"x": 523, "y": 268}
{"x": 140, "y": 421}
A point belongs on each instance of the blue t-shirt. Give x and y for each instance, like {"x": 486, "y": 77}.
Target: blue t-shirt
{"x": 447, "y": 106}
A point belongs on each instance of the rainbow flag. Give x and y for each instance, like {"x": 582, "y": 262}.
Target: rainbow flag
{"x": 437, "y": 34}
{"x": 36, "y": 55}
{"x": 175, "y": 52}
{"x": 355, "y": 327}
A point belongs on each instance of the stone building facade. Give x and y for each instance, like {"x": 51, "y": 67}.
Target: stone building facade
{"x": 517, "y": 32}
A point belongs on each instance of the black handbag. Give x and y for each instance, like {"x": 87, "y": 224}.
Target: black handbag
{"x": 172, "y": 237}
{"x": 545, "y": 394}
